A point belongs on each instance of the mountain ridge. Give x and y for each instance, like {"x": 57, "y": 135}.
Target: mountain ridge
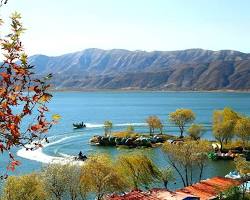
{"x": 191, "y": 69}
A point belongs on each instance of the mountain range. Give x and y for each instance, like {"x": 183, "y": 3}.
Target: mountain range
{"x": 191, "y": 69}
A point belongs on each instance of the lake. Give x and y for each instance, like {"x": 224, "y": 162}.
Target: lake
{"x": 124, "y": 108}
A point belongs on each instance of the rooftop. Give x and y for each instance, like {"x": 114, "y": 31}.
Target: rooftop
{"x": 154, "y": 194}
{"x": 210, "y": 188}
{"x": 204, "y": 190}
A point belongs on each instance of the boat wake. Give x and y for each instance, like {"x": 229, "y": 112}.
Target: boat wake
{"x": 39, "y": 156}
{"x": 90, "y": 125}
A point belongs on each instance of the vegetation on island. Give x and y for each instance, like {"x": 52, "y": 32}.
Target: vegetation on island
{"x": 223, "y": 125}
{"x": 108, "y": 125}
{"x": 228, "y": 125}
{"x": 130, "y": 129}
{"x": 181, "y": 117}
{"x": 154, "y": 122}
{"x": 130, "y": 138}
{"x": 196, "y": 131}
{"x": 241, "y": 129}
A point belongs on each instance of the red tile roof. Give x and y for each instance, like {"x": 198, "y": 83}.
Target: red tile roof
{"x": 205, "y": 190}
{"x": 154, "y": 194}
{"x": 133, "y": 195}
{"x": 210, "y": 188}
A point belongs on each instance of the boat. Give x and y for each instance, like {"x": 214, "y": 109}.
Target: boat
{"x": 233, "y": 175}
{"x": 79, "y": 125}
{"x": 81, "y": 157}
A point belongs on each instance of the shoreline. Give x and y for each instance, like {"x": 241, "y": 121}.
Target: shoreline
{"x": 147, "y": 90}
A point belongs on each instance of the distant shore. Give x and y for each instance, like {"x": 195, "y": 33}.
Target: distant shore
{"x": 146, "y": 90}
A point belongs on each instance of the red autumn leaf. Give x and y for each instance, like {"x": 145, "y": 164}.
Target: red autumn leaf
{"x": 17, "y": 119}
{"x": 13, "y": 164}
{"x": 36, "y": 89}
{"x": 35, "y": 127}
{"x": 17, "y": 88}
{"x": 4, "y": 105}
{"x": 20, "y": 95}
{"x": 2, "y": 91}
{"x": 35, "y": 98}
{"x": 45, "y": 98}
{"x": 14, "y": 130}
{"x": 5, "y": 75}
{"x": 20, "y": 71}
{"x": 2, "y": 114}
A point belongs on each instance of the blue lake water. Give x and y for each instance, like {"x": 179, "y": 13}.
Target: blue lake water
{"x": 124, "y": 108}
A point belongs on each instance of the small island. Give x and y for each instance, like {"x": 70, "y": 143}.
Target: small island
{"x": 223, "y": 148}
{"x": 131, "y": 139}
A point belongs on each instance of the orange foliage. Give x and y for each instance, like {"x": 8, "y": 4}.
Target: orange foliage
{"x": 20, "y": 95}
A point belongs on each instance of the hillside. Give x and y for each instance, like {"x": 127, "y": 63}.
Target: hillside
{"x": 192, "y": 69}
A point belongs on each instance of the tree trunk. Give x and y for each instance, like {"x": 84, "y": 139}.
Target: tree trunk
{"x": 191, "y": 175}
{"x": 221, "y": 145}
{"x": 182, "y": 131}
{"x": 201, "y": 171}
{"x": 58, "y": 197}
{"x": 166, "y": 184}
{"x": 177, "y": 170}
{"x": 136, "y": 185}
{"x": 73, "y": 195}
{"x": 243, "y": 144}
{"x": 244, "y": 190}
{"x": 186, "y": 175}
{"x": 99, "y": 196}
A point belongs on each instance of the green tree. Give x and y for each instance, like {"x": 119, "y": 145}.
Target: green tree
{"x": 233, "y": 193}
{"x": 138, "y": 169}
{"x": 161, "y": 128}
{"x": 61, "y": 180}
{"x": 73, "y": 182}
{"x": 28, "y": 187}
{"x": 101, "y": 176}
{"x": 195, "y": 131}
{"x": 242, "y": 130}
{"x": 242, "y": 165}
{"x": 84, "y": 188}
{"x": 187, "y": 159}
{"x": 181, "y": 117}
{"x": 166, "y": 176}
{"x": 108, "y": 125}
{"x": 154, "y": 122}
{"x": 223, "y": 125}
{"x": 130, "y": 128}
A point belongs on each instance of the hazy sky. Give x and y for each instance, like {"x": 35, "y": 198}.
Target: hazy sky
{"x": 61, "y": 26}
